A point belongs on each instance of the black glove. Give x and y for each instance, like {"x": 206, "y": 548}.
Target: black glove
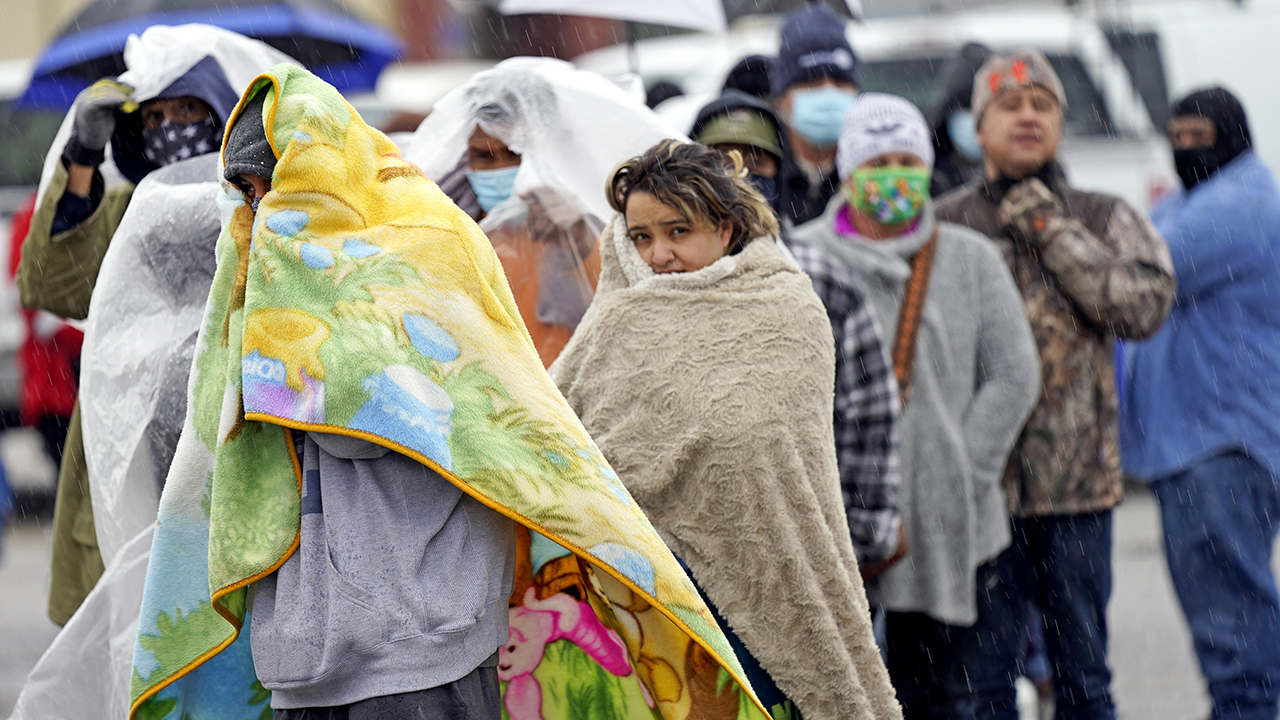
{"x": 95, "y": 120}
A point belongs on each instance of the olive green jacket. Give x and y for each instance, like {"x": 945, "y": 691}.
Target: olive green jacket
{"x": 57, "y": 273}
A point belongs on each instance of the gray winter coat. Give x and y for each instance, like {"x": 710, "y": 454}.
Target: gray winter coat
{"x": 976, "y": 378}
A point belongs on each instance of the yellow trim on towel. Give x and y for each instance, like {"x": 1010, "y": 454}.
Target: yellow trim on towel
{"x": 236, "y": 624}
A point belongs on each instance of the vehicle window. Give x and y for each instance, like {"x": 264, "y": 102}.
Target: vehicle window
{"x": 911, "y": 78}
{"x": 915, "y": 79}
{"x": 1086, "y": 112}
{"x": 25, "y": 136}
{"x": 1140, "y": 53}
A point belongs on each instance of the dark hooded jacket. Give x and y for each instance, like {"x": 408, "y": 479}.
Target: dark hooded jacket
{"x": 951, "y": 169}
{"x": 733, "y": 100}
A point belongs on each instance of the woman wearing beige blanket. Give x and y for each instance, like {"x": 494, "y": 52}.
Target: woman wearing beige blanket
{"x": 704, "y": 370}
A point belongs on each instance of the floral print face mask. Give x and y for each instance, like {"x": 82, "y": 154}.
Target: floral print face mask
{"x": 892, "y": 195}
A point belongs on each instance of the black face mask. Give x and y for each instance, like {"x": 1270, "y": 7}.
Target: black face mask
{"x": 767, "y": 186}
{"x": 172, "y": 142}
{"x": 1195, "y": 165}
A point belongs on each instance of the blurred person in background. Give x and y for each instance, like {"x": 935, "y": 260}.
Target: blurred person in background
{"x": 752, "y": 75}
{"x": 156, "y": 114}
{"x": 815, "y": 82}
{"x": 966, "y": 366}
{"x": 49, "y": 358}
{"x": 1091, "y": 269}
{"x": 957, "y": 155}
{"x": 524, "y": 148}
{"x": 866, "y": 408}
{"x": 1199, "y": 415}
{"x": 661, "y": 92}
{"x": 741, "y": 122}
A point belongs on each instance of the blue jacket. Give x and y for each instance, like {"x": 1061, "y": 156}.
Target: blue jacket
{"x": 1209, "y": 381}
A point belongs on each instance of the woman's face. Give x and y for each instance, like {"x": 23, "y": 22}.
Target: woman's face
{"x": 667, "y": 241}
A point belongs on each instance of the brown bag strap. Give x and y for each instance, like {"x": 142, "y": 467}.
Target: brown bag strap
{"x": 910, "y": 315}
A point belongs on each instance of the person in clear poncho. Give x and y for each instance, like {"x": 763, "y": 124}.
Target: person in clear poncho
{"x": 524, "y": 148}
{"x": 167, "y": 107}
{"x": 147, "y": 301}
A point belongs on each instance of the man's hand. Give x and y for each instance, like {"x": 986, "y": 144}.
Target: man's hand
{"x": 95, "y": 120}
{"x": 871, "y": 570}
{"x": 1030, "y": 210}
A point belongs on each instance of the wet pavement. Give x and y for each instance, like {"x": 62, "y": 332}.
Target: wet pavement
{"x": 1155, "y": 673}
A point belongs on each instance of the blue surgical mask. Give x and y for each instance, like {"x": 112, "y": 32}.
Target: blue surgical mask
{"x": 492, "y": 186}
{"x": 818, "y": 113}
{"x": 964, "y": 135}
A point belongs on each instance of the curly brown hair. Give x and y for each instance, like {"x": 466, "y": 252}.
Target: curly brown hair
{"x": 701, "y": 184}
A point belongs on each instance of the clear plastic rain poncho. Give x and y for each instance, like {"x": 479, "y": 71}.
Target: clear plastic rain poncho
{"x": 149, "y": 295}
{"x": 571, "y": 128}
{"x": 139, "y": 340}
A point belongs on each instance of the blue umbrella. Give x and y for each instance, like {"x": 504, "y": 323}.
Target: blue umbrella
{"x": 321, "y": 34}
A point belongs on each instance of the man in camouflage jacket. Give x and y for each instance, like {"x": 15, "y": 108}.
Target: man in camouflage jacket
{"x": 1091, "y": 268}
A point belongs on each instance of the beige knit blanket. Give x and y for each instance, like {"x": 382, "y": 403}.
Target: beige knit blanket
{"x": 710, "y": 393}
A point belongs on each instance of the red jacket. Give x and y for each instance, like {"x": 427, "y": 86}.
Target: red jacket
{"x": 49, "y": 366}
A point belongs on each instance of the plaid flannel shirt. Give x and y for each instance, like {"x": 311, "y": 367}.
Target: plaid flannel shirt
{"x": 867, "y": 410}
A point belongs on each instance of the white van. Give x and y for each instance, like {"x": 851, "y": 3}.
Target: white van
{"x": 1219, "y": 42}
{"x": 1111, "y": 143}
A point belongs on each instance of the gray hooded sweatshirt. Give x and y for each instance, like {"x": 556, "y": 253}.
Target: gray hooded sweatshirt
{"x": 399, "y": 584}
{"x": 976, "y": 378}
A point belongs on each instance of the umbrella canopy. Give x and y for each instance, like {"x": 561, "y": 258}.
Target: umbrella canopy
{"x": 321, "y": 34}
{"x": 706, "y": 15}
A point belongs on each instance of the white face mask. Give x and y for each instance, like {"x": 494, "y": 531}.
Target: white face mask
{"x": 964, "y": 135}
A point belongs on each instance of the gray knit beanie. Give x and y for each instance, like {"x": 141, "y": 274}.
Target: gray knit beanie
{"x": 879, "y": 124}
{"x": 248, "y": 150}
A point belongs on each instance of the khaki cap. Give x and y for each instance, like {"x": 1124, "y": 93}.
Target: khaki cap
{"x": 742, "y": 126}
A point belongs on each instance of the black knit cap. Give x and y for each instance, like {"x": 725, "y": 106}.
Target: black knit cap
{"x": 1219, "y": 106}
{"x": 812, "y": 44}
{"x": 752, "y": 75}
{"x": 248, "y": 150}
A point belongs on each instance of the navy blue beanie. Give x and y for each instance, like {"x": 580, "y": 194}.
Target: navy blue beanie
{"x": 813, "y": 45}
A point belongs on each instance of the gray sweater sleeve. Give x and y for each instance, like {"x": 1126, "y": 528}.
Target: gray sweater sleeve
{"x": 1008, "y": 377}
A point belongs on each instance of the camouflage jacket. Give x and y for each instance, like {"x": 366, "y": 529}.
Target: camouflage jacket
{"x": 1091, "y": 268}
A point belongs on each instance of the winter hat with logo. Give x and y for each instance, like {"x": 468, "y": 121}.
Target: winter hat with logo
{"x": 881, "y": 124}
{"x": 1011, "y": 72}
{"x": 813, "y": 45}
